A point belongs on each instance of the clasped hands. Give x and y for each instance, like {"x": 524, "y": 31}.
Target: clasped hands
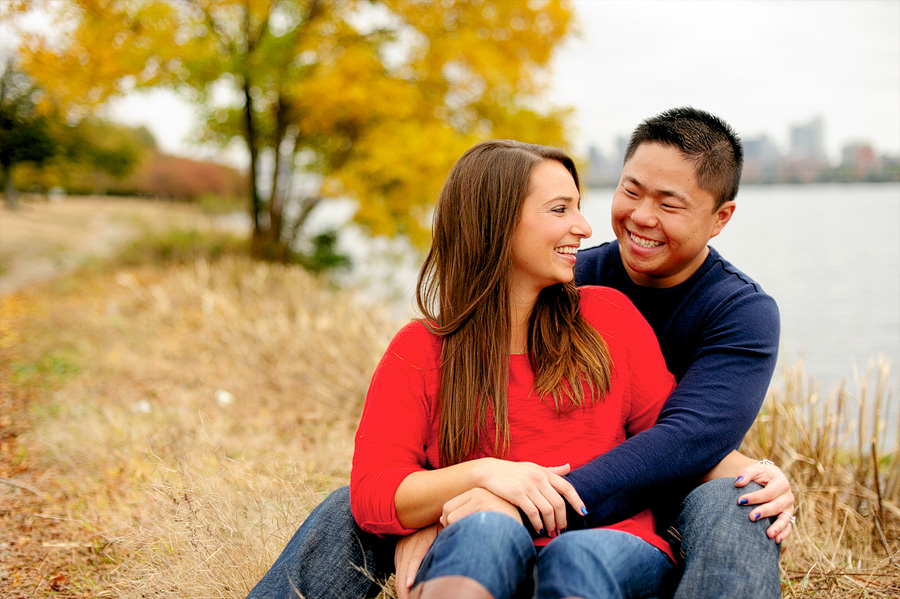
{"x": 540, "y": 493}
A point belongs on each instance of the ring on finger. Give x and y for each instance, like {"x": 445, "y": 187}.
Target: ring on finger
{"x": 791, "y": 516}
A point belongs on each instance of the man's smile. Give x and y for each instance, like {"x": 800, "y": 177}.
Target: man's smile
{"x": 643, "y": 241}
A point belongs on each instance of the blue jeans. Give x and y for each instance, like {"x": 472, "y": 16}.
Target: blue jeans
{"x": 725, "y": 554}
{"x": 463, "y": 549}
{"x": 329, "y": 557}
{"x": 605, "y": 564}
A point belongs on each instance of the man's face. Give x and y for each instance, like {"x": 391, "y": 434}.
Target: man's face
{"x": 662, "y": 218}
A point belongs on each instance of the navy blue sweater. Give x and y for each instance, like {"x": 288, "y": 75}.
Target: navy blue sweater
{"x": 719, "y": 334}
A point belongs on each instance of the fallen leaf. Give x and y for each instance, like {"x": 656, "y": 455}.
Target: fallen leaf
{"x": 58, "y": 582}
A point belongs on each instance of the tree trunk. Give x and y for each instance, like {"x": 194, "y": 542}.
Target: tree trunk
{"x": 255, "y": 207}
{"x": 10, "y": 193}
{"x": 276, "y": 201}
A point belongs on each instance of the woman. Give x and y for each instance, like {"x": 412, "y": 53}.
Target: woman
{"x": 510, "y": 368}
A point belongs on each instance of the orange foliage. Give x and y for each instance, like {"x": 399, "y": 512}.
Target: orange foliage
{"x": 182, "y": 179}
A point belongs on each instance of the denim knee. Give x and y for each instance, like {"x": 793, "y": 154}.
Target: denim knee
{"x": 601, "y": 563}
{"x": 712, "y": 510}
{"x": 725, "y": 553}
{"x": 490, "y": 539}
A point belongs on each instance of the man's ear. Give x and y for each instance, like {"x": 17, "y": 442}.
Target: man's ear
{"x": 723, "y": 215}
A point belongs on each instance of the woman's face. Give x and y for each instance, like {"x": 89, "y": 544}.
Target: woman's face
{"x": 549, "y": 231}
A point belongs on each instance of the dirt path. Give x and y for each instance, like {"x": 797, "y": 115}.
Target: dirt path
{"x": 44, "y": 239}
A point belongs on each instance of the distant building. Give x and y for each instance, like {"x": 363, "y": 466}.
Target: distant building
{"x": 806, "y": 156}
{"x": 761, "y": 160}
{"x": 808, "y": 141}
{"x": 600, "y": 170}
{"x": 621, "y": 146}
{"x": 859, "y": 161}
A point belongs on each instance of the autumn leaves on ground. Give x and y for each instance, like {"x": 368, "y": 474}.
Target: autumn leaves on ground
{"x": 170, "y": 413}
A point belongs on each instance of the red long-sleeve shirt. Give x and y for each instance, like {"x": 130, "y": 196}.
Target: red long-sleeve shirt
{"x": 398, "y": 433}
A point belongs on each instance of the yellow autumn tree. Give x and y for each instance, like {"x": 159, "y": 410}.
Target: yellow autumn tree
{"x": 371, "y": 99}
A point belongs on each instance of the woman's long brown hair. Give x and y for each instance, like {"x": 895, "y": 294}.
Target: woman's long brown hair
{"x": 463, "y": 295}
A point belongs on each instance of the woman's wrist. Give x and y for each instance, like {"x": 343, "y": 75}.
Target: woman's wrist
{"x": 480, "y": 473}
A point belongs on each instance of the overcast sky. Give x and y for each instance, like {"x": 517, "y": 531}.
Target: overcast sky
{"x": 761, "y": 65}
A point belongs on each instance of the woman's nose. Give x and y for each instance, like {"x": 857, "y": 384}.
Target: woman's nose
{"x": 581, "y": 228}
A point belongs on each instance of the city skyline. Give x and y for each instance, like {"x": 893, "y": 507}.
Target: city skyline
{"x": 803, "y": 159}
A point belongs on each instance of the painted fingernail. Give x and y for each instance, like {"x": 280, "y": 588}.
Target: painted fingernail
{"x": 583, "y": 511}
{"x": 757, "y": 516}
{"x": 743, "y": 501}
{"x": 739, "y": 479}
{"x": 542, "y": 531}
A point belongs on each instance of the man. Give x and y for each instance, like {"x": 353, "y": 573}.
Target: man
{"x": 719, "y": 335}
{"x": 718, "y": 332}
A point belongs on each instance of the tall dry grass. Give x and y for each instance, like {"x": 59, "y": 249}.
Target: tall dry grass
{"x": 203, "y": 409}
{"x": 834, "y": 447}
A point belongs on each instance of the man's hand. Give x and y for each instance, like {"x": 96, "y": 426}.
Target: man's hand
{"x": 541, "y": 493}
{"x": 408, "y": 557}
{"x": 775, "y": 498}
{"x": 474, "y": 501}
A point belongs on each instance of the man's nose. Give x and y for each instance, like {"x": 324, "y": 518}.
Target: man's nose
{"x": 644, "y": 213}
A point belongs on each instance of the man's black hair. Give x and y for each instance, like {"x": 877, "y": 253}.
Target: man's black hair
{"x": 704, "y": 139}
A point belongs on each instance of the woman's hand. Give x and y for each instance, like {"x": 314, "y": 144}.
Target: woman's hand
{"x": 775, "y": 498}
{"x": 408, "y": 557}
{"x": 474, "y": 501}
{"x": 541, "y": 493}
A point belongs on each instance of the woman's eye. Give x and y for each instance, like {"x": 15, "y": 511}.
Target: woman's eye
{"x": 559, "y": 209}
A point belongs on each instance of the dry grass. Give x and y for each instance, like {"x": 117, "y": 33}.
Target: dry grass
{"x": 132, "y": 423}
{"x": 846, "y": 478}
{"x": 116, "y": 381}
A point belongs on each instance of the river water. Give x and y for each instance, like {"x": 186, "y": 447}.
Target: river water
{"x": 829, "y": 254}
